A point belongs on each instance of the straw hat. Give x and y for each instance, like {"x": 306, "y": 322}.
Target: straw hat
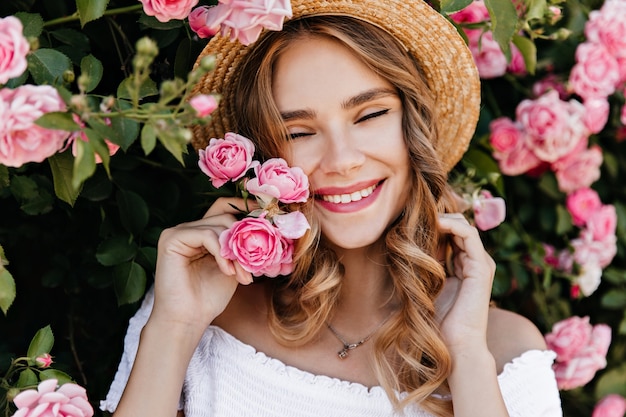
{"x": 445, "y": 58}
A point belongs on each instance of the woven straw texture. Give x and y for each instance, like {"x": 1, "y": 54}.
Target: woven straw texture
{"x": 447, "y": 62}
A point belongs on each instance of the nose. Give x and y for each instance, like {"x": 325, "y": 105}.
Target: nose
{"x": 342, "y": 154}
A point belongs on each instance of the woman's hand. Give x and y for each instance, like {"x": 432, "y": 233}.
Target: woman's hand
{"x": 193, "y": 283}
{"x": 464, "y": 328}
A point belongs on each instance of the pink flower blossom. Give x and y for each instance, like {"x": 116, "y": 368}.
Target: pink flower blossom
{"x": 241, "y": 20}
{"x": 596, "y": 72}
{"x": 258, "y": 246}
{"x": 568, "y": 337}
{"x": 489, "y": 58}
{"x": 602, "y": 222}
{"x": 166, "y": 10}
{"x": 203, "y": 104}
{"x": 275, "y": 179}
{"x": 509, "y": 144}
{"x": 81, "y": 135}
{"x": 475, "y": 12}
{"x": 581, "y": 204}
{"x": 581, "y": 350}
{"x": 596, "y": 114}
{"x": 607, "y": 26}
{"x": 517, "y": 65}
{"x": 291, "y": 225}
{"x": 227, "y": 159}
{"x": 589, "y": 251}
{"x": 589, "y": 278}
{"x": 622, "y": 117}
{"x": 13, "y": 49}
{"x": 554, "y": 127}
{"x": 489, "y": 211}
{"x": 21, "y": 140}
{"x": 43, "y": 360}
{"x": 69, "y": 400}
{"x": 550, "y": 82}
{"x": 613, "y": 405}
{"x": 578, "y": 170}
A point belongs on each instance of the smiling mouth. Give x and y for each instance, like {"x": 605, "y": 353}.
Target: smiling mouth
{"x": 349, "y": 198}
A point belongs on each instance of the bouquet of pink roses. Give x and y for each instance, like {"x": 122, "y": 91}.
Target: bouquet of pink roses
{"x": 263, "y": 241}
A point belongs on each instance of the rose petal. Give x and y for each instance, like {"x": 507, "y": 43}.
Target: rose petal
{"x": 292, "y": 225}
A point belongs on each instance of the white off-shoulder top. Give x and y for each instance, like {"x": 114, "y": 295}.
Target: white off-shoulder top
{"x": 228, "y": 378}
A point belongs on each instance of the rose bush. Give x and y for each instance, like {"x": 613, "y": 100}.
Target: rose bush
{"x": 85, "y": 194}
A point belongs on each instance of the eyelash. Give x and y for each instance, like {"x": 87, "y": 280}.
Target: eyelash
{"x": 373, "y": 115}
{"x": 369, "y": 116}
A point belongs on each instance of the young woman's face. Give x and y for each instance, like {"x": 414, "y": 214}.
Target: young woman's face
{"x": 345, "y": 124}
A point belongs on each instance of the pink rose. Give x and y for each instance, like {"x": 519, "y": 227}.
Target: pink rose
{"x": 166, "y": 10}
{"x": 622, "y": 117}
{"x": 578, "y": 170}
{"x": 517, "y": 65}
{"x": 258, "y": 246}
{"x": 596, "y": 72}
{"x": 509, "y": 144}
{"x": 613, "y": 405}
{"x": 578, "y": 371}
{"x": 21, "y": 140}
{"x": 44, "y": 360}
{"x": 554, "y": 127}
{"x": 203, "y": 104}
{"x": 589, "y": 251}
{"x": 602, "y": 222}
{"x": 568, "y": 337}
{"x": 596, "y": 114}
{"x": 275, "y": 179}
{"x": 489, "y": 211}
{"x": 291, "y": 225}
{"x": 607, "y": 26}
{"x": 550, "y": 82}
{"x": 80, "y": 135}
{"x": 227, "y": 159}
{"x": 581, "y": 204}
{"x": 600, "y": 339}
{"x": 475, "y": 12}
{"x": 69, "y": 400}
{"x": 13, "y": 49}
{"x": 242, "y": 20}
{"x": 489, "y": 58}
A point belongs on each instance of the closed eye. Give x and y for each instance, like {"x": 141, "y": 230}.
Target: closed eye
{"x": 372, "y": 115}
{"x": 298, "y": 135}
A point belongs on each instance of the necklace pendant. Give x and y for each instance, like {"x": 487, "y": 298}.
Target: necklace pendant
{"x": 343, "y": 353}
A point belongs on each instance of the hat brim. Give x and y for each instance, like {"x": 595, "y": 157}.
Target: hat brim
{"x": 435, "y": 43}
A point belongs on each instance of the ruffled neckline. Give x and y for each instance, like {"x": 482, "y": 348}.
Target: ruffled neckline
{"x": 526, "y": 359}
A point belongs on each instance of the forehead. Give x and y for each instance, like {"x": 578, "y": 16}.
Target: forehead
{"x": 318, "y": 67}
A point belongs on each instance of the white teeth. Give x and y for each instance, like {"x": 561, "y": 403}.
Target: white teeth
{"x": 348, "y": 198}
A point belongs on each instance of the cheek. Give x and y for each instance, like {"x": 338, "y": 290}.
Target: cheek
{"x": 304, "y": 154}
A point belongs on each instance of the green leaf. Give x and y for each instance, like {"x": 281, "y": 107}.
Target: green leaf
{"x": 451, "y": 6}
{"x": 504, "y": 22}
{"x": 153, "y": 23}
{"x": 535, "y": 9}
{"x": 612, "y": 381}
{"x": 4, "y": 177}
{"x": 62, "y": 166}
{"x": 89, "y": 10}
{"x": 60, "y": 376}
{"x": 614, "y": 275}
{"x": 563, "y": 220}
{"x": 48, "y": 65}
{"x": 126, "y": 130}
{"x": 27, "y": 378}
{"x": 529, "y": 52}
{"x": 115, "y": 251}
{"x": 92, "y": 67}
{"x": 58, "y": 120}
{"x": 146, "y": 89}
{"x": 134, "y": 212}
{"x": 7, "y": 289}
{"x": 41, "y": 343}
{"x": 32, "y": 22}
{"x": 34, "y": 198}
{"x": 84, "y": 163}
{"x": 129, "y": 283}
{"x": 99, "y": 146}
{"x": 148, "y": 138}
{"x": 614, "y": 299}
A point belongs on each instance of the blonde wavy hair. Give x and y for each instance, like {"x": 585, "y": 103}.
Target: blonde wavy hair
{"x": 410, "y": 356}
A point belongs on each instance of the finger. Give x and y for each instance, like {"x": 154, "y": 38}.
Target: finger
{"x": 465, "y": 236}
{"x": 243, "y": 277}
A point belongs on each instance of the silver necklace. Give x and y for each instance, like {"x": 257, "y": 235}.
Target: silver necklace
{"x": 347, "y": 347}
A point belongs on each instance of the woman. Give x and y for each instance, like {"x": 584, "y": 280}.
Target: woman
{"x": 376, "y": 102}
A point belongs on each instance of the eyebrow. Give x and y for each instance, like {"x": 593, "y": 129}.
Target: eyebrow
{"x": 352, "y": 102}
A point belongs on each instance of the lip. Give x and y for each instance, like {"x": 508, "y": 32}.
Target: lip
{"x": 354, "y": 205}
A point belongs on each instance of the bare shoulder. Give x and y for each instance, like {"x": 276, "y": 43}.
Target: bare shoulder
{"x": 510, "y": 334}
